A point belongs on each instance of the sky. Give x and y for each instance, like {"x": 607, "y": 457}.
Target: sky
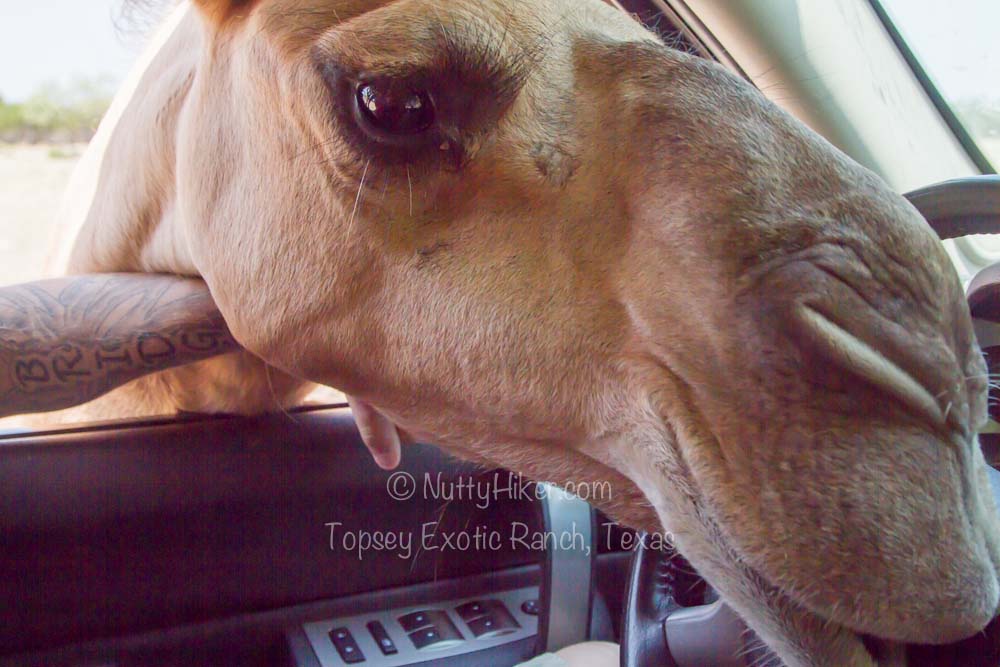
{"x": 45, "y": 41}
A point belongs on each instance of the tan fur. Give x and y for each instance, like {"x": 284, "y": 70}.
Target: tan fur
{"x": 616, "y": 281}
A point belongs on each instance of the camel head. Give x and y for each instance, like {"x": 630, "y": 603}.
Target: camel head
{"x": 534, "y": 234}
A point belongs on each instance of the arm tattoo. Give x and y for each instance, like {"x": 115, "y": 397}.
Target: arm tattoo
{"x": 65, "y": 342}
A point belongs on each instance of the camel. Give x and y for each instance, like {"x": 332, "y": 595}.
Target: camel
{"x": 535, "y": 235}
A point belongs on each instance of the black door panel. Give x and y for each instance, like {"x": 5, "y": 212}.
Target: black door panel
{"x": 123, "y": 530}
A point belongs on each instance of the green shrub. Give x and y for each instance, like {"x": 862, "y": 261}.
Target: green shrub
{"x": 11, "y": 117}
{"x": 57, "y": 113}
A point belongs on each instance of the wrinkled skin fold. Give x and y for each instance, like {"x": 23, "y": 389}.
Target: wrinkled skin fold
{"x": 605, "y": 260}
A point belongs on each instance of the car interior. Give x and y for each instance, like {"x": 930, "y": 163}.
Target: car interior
{"x": 275, "y": 540}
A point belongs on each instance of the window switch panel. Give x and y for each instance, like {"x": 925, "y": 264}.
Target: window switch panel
{"x": 380, "y": 633}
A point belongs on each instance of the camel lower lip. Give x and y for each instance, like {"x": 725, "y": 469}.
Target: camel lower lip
{"x": 879, "y": 649}
{"x": 980, "y": 650}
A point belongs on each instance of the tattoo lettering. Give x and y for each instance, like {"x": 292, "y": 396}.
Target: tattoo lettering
{"x": 154, "y": 349}
{"x": 68, "y": 341}
{"x": 66, "y": 364}
{"x": 204, "y": 340}
{"x": 31, "y": 373}
{"x": 112, "y": 356}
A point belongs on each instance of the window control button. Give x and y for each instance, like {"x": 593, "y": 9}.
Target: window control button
{"x": 426, "y": 637}
{"x": 382, "y": 638}
{"x": 441, "y": 634}
{"x": 484, "y": 626}
{"x": 531, "y": 607}
{"x": 471, "y": 610}
{"x": 340, "y": 635}
{"x": 348, "y": 649}
{"x": 497, "y": 622}
{"x": 415, "y": 621}
{"x": 435, "y": 639}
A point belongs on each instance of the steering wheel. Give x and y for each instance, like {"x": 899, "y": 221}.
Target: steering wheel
{"x": 672, "y": 617}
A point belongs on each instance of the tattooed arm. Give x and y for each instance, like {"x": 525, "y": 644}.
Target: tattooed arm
{"x": 68, "y": 341}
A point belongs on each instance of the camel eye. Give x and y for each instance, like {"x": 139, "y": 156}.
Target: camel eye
{"x": 395, "y": 110}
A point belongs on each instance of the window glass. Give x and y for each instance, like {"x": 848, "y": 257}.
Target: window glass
{"x": 956, "y": 44}
{"x": 61, "y": 62}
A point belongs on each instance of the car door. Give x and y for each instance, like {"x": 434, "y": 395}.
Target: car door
{"x": 205, "y": 540}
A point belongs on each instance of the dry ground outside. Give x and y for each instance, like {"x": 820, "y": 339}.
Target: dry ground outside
{"x": 32, "y": 181}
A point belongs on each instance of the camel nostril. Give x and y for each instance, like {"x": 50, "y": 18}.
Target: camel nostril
{"x": 841, "y": 319}
{"x": 859, "y": 357}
